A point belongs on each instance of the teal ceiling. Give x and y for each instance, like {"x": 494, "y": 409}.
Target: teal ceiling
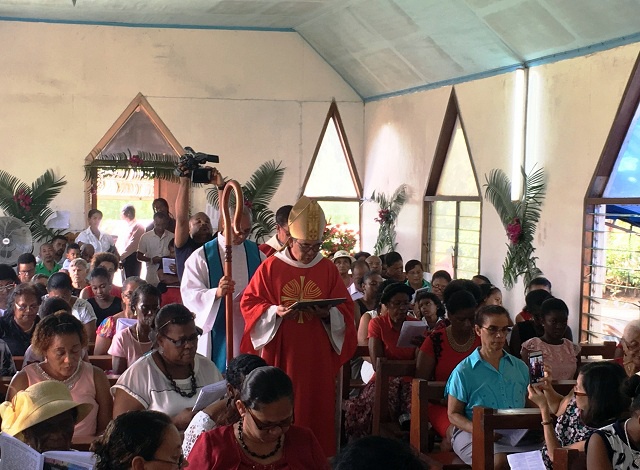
{"x": 384, "y": 47}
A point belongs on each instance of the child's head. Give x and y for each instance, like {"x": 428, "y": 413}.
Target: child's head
{"x": 494, "y": 296}
{"x": 533, "y": 302}
{"x": 428, "y": 306}
{"x": 554, "y": 314}
{"x": 73, "y": 251}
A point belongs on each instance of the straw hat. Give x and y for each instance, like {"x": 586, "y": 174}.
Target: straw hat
{"x": 307, "y": 220}
{"x": 38, "y": 403}
{"x": 343, "y": 254}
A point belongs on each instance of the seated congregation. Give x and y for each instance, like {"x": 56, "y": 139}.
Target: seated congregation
{"x": 120, "y": 370}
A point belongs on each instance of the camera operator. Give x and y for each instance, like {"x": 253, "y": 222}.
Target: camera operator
{"x": 191, "y": 233}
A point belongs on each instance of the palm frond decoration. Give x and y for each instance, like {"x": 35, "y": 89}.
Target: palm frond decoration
{"x": 390, "y": 208}
{"x": 144, "y": 165}
{"x": 520, "y": 219}
{"x": 31, "y": 203}
{"x": 257, "y": 193}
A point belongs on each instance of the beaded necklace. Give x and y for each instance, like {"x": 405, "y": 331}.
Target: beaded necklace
{"x": 253, "y": 454}
{"x": 459, "y": 347}
{"x": 174, "y": 385}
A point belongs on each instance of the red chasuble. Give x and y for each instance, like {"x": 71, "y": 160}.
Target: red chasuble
{"x": 301, "y": 345}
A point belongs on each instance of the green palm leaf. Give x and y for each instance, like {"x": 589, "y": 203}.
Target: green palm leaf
{"x": 526, "y": 212}
{"x": 259, "y": 191}
{"x": 498, "y": 193}
{"x": 264, "y": 183}
{"x": 42, "y": 191}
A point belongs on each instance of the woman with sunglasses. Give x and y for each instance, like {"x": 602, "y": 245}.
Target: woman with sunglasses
{"x": 265, "y": 436}
{"x": 107, "y": 329}
{"x": 131, "y": 343}
{"x": 139, "y": 440}
{"x": 168, "y": 379}
{"x": 19, "y": 321}
{"x": 589, "y": 406}
{"x": 8, "y": 281}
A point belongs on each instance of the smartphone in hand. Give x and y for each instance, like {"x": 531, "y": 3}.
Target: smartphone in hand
{"x": 536, "y": 367}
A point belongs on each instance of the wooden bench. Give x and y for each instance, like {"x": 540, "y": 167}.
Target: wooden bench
{"x": 348, "y": 383}
{"x": 487, "y": 420}
{"x": 421, "y": 392}
{"x": 383, "y": 423}
{"x": 604, "y": 350}
{"x": 18, "y": 361}
{"x": 569, "y": 459}
{"x": 103, "y": 362}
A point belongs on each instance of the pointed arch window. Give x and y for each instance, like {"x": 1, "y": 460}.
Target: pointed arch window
{"x": 138, "y": 129}
{"x": 332, "y": 178}
{"x": 453, "y": 205}
{"x": 611, "y": 255}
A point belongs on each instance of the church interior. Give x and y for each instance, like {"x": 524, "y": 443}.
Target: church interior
{"x": 431, "y": 94}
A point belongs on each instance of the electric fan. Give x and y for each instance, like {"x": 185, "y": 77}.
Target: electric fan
{"x": 15, "y": 239}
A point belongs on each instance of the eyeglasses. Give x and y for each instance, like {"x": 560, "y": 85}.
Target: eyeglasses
{"x": 285, "y": 423}
{"x": 24, "y": 308}
{"x": 577, "y": 393}
{"x": 493, "y": 331}
{"x": 8, "y": 287}
{"x": 179, "y": 463}
{"x": 28, "y": 272}
{"x": 306, "y": 247}
{"x": 399, "y": 304}
{"x": 182, "y": 342}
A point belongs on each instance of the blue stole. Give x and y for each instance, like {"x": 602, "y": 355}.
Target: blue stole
{"x": 216, "y": 272}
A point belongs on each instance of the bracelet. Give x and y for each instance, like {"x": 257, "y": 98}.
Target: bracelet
{"x": 546, "y": 423}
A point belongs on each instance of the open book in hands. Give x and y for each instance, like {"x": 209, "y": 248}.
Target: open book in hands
{"x": 16, "y": 455}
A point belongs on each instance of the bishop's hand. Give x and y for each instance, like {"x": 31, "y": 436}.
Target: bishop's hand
{"x": 285, "y": 312}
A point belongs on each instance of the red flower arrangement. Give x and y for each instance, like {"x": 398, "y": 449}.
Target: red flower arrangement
{"x": 384, "y": 216}
{"x": 514, "y": 231}
{"x": 23, "y": 199}
{"x": 338, "y": 237}
{"x": 135, "y": 160}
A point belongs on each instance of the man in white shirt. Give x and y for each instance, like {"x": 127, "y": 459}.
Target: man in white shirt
{"x": 93, "y": 236}
{"x": 128, "y": 242}
{"x": 154, "y": 245}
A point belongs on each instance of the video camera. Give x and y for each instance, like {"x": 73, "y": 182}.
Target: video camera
{"x": 193, "y": 161}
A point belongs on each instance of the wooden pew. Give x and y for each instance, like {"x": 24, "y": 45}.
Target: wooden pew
{"x": 421, "y": 392}
{"x": 383, "y": 423}
{"x": 604, "y": 350}
{"x": 347, "y": 383}
{"x": 103, "y": 362}
{"x": 487, "y": 420}
{"x": 18, "y": 361}
{"x": 569, "y": 459}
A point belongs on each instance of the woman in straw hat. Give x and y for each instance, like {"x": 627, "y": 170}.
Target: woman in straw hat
{"x": 43, "y": 416}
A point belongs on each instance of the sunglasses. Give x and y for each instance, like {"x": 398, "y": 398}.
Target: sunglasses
{"x": 285, "y": 423}
{"x": 182, "y": 342}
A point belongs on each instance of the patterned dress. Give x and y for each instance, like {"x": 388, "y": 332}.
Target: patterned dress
{"x": 622, "y": 456}
{"x": 569, "y": 430}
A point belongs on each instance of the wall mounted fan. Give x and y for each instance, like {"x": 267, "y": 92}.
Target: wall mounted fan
{"x": 15, "y": 239}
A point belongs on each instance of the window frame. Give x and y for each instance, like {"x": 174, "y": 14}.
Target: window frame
{"x": 334, "y": 114}
{"x": 627, "y": 108}
{"x": 451, "y": 116}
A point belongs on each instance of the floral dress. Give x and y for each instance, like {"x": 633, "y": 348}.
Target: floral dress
{"x": 569, "y": 430}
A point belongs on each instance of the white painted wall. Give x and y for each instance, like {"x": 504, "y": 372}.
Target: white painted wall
{"x": 246, "y": 96}
{"x": 253, "y": 96}
{"x": 569, "y": 118}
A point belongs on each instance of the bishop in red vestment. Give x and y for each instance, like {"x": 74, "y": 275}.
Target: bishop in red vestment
{"x": 309, "y": 345}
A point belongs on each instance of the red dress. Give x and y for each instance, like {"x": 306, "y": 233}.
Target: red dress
{"x": 437, "y": 345}
{"x": 219, "y": 449}
{"x": 301, "y": 346}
